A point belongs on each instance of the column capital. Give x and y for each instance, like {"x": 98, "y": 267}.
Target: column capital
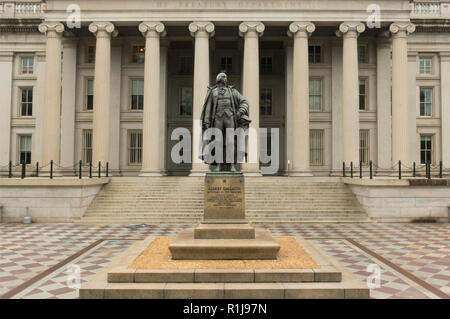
{"x": 153, "y": 29}
{"x": 402, "y": 29}
{"x": 301, "y": 28}
{"x": 105, "y": 28}
{"x": 51, "y": 28}
{"x": 253, "y": 27}
{"x": 201, "y": 27}
{"x": 350, "y": 28}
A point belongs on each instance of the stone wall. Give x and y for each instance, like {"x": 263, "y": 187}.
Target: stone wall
{"x": 403, "y": 201}
{"x": 49, "y": 201}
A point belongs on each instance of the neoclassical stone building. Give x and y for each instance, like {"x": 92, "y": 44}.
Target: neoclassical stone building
{"x": 109, "y": 81}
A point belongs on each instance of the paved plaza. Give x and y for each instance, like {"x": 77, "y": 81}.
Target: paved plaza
{"x": 40, "y": 261}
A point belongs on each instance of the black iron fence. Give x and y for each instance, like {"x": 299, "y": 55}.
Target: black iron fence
{"x": 427, "y": 170}
{"x": 80, "y": 170}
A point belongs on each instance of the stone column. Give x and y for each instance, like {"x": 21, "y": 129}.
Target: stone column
{"x": 384, "y": 122}
{"x": 445, "y": 103}
{"x": 400, "y": 114}
{"x": 336, "y": 89}
{"x": 114, "y": 110}
{"x": 38, "y": 105}
{"x": 350, "y": 89}
{"x": 152, "y": 31}
{"x": 163, "y": 100}
{"x": 68, "y": 103}
{"x": 300, "y": 160}
{"x": 6, "y": 70}
{"x": 288, "y": 96}
{"x": 251, "y": 31}
{"x": 413, "y": 102}
{"x": 202, "y": 31}
{"x": 102, "y": 89}
{"x": 51, "y": 135}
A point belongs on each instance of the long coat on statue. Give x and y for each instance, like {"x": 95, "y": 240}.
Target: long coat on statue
{"x": 207, "y": 118}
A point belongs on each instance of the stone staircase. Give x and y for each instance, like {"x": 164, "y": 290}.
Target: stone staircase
{"x": 179, "y": 200}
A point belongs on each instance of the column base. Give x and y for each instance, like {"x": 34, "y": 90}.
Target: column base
{"x": 199, "y": 170}
{"x": 151, "y": 173}
{"x": 336, "y": 173}
{"x": 306, "y": 173}
{"x": 251, "y": 169}
{"x": 197, "y": 174}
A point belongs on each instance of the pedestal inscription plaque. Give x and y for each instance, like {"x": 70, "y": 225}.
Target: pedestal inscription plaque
{"x": 224, "y": 198}
{"x": 225, "y": 234}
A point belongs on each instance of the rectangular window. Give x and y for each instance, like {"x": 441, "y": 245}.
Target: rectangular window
{"x": 226, "y": 64}
{"x": 25, "y": 149}
{"x": 316, "y": 147}
{"x": 265, "y": 101}
{"x": 27, "y": 65}
{"x": 90, "y": 55}
{"x": 426, "y": 100}
{"x": 138, "y": 55}
{"x": 186, "y": 101}
{"x": 266, "y": 64}
{"x": 315, "y": 54}
{"x": 186, "y": 64}
{"x": 426, "y": 149}
{"x": 90, "y": 94}
{"x": 26, "y": 102}
{"x": 315, "y": 95}
{"x": 137, "y": 95}
{"x": 135, "y": 147}
{"x": 362, "y": 94}
{"x": 364, "y": 147}
{"x": 362, "y": 54}
{"x": 426, "y": 65}
{"x": 87, "y": 146}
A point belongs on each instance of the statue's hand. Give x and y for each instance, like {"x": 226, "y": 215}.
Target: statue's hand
{"x": 206, "y": 125}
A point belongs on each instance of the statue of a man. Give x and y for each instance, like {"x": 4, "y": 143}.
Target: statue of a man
{"x": 225, "y": 108}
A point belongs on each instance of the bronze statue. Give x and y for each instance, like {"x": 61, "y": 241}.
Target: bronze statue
{"x": 225, "y": 108}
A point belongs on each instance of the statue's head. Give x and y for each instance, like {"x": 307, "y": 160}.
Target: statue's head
{"x": 222, "y": 78}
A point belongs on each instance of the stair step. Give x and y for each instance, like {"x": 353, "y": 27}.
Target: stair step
{"x": 179, "y": 200}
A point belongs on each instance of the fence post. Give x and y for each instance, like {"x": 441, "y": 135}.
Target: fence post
{"x": 37, "y": 169}
{"x": 360, "y": 169}
{"x": 107, "y": 169}
{"x": 399, "y": 169}
{"x": 80, "y": 168}
{"x": 24, "y": 165}
{"x": 440, "y": 170}
{"x": 371, "y": 170}
{"x": 414, "y": 169}
{"x": 51, "y": 169}
{"x": 90, "y": 169}
{"x": 10, "y": 170}
{"x": 351, "y": 169}
{"x": 99, "y": 169}
{"x": 429, "y": 170}
{"x": 343, "y": 170}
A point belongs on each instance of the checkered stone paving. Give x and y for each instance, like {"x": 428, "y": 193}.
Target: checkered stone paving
{"x": 64, "y": 283}
{"x": 392, "y": 284}
{"x": 26, "y": 251}
{"x": 36, "y": 260}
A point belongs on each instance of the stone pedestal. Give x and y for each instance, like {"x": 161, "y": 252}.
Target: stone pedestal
{"x": 320, "y": 278}
{"x": 225, "y": 233}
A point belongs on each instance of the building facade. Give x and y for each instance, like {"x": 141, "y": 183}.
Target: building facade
{"x": 109, "y": 82}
